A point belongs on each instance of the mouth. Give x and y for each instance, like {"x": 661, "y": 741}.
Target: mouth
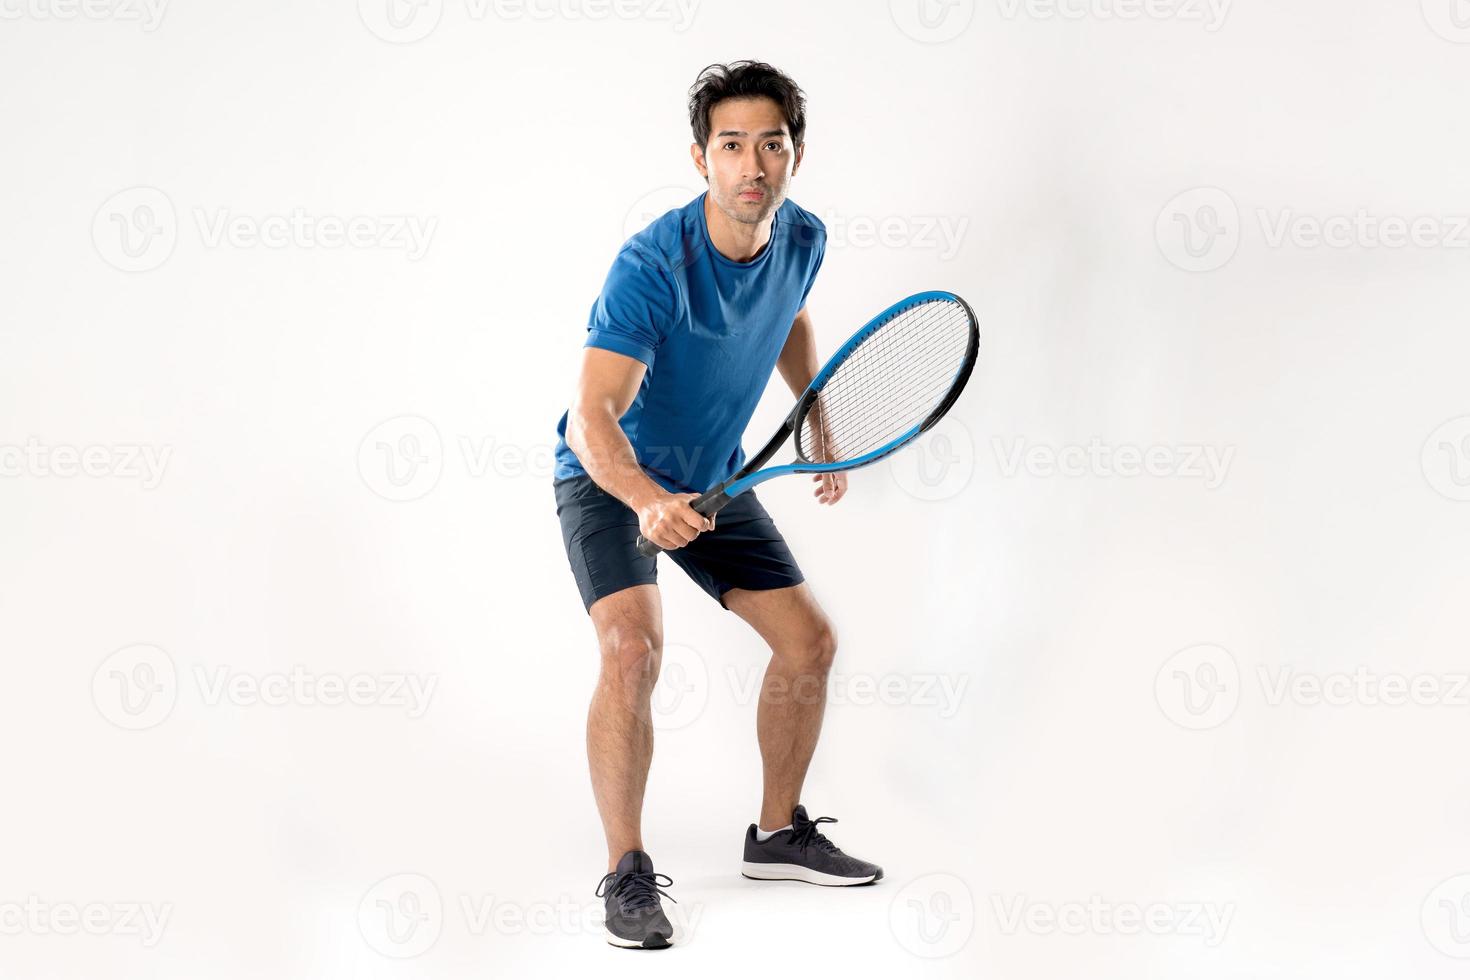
{"x": 753, "y": 195}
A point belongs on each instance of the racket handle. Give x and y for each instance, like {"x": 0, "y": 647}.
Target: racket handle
{"x": 708, "y": 503}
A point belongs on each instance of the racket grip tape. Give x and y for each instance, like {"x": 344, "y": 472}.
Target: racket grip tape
{"x": 709, "y": 503}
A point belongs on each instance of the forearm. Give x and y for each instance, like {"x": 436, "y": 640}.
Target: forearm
{"x": 798, "y": 366}
{"x": 798, "y": 360}
{"x": 606, "y": 454}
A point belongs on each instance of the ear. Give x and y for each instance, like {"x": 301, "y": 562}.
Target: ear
{"x": 696, "y": 152}
{"x": 800, "y": 152}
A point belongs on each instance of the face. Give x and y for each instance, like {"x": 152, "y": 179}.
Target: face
{"x": 750, "y": 159}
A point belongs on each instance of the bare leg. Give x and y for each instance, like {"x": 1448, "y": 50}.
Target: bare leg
{"x": 793, "y": 692}
{"x": 629, "y": 628}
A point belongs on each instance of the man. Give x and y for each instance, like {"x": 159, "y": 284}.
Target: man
{"x": 696, "y": 312}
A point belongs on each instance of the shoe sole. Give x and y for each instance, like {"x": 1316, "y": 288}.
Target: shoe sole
{"x": 762, "y": 871}
{"x": 652, "y": 942}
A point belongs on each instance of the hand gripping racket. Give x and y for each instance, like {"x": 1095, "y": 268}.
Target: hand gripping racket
{"x": 891, "y": 381}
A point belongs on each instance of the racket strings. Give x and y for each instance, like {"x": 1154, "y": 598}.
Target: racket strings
{"x": 888, "y": 384}
{"x": 877, "y": 361}
{"x": 840, "y": 426}
{"x": 879, "y": 358}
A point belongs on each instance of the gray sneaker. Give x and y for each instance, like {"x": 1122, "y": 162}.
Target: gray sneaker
{"x": 634, "y": 918}
{"x": 804, "y": 853}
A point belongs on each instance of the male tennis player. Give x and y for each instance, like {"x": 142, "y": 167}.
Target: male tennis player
{"x": 696, "y": 312}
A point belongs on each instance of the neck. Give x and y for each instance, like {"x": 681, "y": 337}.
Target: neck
{"x": 734, "y": 240}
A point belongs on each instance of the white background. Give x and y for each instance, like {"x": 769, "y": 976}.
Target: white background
{"x": 353, "y": 485}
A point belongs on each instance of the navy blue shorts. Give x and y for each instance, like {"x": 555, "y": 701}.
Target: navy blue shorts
{"x": 744, "y": 551}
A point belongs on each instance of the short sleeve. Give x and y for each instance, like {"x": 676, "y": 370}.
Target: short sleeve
{"x": 819, "y": 253}
{"x": 636, "y": 308}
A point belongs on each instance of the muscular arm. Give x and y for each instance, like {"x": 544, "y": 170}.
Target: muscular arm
{"x": 606, "y": 387}
{"x": 798, "y": 360}
{"x": 798, "y": 365}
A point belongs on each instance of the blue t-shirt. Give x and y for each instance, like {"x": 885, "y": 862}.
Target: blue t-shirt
{"x": 709, "y": 330}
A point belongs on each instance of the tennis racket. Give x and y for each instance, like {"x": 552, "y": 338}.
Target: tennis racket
{"x": 890, "y": 382}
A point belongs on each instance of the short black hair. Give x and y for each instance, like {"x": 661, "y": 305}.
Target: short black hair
{"x": 745, "y": 80}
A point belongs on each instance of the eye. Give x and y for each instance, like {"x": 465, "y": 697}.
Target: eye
{"x": 774, "y": 146}
{"x": 730, "y": 144}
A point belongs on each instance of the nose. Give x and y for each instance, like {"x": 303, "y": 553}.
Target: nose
{"x": 750, "y": 165}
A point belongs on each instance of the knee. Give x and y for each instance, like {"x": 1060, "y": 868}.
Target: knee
{"x": 815, "y": 648}
{"x": 631, "y": 656}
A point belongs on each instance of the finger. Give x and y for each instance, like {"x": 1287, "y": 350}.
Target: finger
{"x": 676, "y": 533}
